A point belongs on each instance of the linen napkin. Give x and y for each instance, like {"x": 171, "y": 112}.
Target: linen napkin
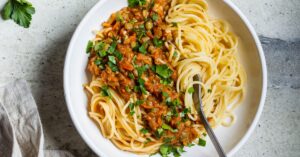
{"x": 21, "y": 132}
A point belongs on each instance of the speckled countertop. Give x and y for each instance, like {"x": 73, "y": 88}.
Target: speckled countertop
{"x": 37, "y": 55}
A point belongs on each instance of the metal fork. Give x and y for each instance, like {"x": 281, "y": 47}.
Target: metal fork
{"x": 198, "y": 103}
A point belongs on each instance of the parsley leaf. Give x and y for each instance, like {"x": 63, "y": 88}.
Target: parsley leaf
{"x": 118, "y": 55}
{"x": 163, "y": 71}
{"x": 157, "y": 42}
{"x": 119, "y": 18}
{"x": 112, "y": 59}
{"x": 167, "y": 127}
{"x": 144, "y": 131}
{"x": 112, "y": 66}
{"x": 201, "y": 142}
{"x": 112, "y": 47}
{"x": 141, "y": 70}
{"x": 131, "y": 76}
{"x": 105, "y": 91}
{"x": 131, "y": 108}
{"x": 139, "y": 102}
{"x": 89, "y": 46}
{"x": 140, "y": 31}
{"x": 98, "y": 61}
{"x": 154, "y": 16}
{"x": 143, "y": 49}
{"x": 159, "y": 132}
{"x": 20, "y": 11}
{"x": 191, "y": 90}
{"x": 164, "y": 150}
{"x": 134, "y": 3}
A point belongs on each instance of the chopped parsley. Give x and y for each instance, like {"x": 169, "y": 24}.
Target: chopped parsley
{"x": 134, "y": 3}
{"x": 165, "y": 150}
{"x": 112, "y": 66}
{"x": 143, "y": 48}
{"x": 105, "y": 91}
{"x": 141, "y": 70}
{"x": 98, "y": 61}
{"x": 99, "y": 46}
{"x": 190, "y": 144}
{"x": 112, "y": 59}
{"x": 201, "y": 142}
{"x": 157, "y": 42}
{"x": 133, "y": 61}
{"x": 166, "y": 81}
{"x": 167, "y": 127}
{"x": 209, "y": 90}
{"x": 163, "y": 71}
{"x": 127, "y": 89}
{"x": 112, "y": 47}
{"x": 144, "y": 131}
{"x": 139, "y": 102}
{"x": 140, "y": 31}
{"x": 118, "y": 55}
{"x": 89, "y": 46}
{"x": 131, "y": 76}
{"x": 175, "y": 55}
{"x": 154, "y": 16}
{"x": 119, "y": 18}
{"x": 159, "y": 132}
{"x": 191, "y": 90}
{"x": 185, "y": 112}
{"x": 175, "y": 102}
{"x": 131, "y": 108}
{"x": 143, "y": 89}
{"x": 165, "y": 94}
{"x": 174, "y": 24}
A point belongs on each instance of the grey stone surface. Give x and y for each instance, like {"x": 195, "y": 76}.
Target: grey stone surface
{"x": 37, "y": 55}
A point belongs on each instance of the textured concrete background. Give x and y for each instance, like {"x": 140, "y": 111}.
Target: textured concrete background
{"x": 37, "y": 55}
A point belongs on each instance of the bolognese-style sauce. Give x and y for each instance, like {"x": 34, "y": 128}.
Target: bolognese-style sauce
{"x": 131, "y": 58}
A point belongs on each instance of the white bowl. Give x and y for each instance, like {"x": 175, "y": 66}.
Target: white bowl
{"x": 232, "y": 138}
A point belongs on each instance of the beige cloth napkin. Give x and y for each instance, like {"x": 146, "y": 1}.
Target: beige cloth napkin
{"x": 21, "y": 132}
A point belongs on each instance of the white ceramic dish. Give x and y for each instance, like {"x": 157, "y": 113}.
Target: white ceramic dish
{"x": 251, "y": 56}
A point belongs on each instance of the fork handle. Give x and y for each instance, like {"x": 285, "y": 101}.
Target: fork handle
{"x": 211, "y": 134}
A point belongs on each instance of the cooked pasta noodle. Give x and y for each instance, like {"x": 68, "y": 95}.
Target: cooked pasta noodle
{"x": 200, "y": 45}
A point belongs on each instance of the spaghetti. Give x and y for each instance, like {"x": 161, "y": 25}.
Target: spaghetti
{"x": 143, "y": 62}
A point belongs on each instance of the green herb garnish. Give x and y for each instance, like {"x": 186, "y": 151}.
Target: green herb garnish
{"x": 159, "y": 132}
{"x": 20, "y": 11}
{"x": 134, "y": 3}
{"x": 118, "y": 55}
{"x": 119, "y": 18}
{"x": 89, "y": 46}
{"x": 154, "y": 16}
{"x": 98, "y": 61}
{"x": 144, "y": 131}
{"x": 167, "y": 127}
{"x": 143, "y": 49}
{"x": 112, "y": 47}
{"x": 105, "y": 91}
{"x": 141, "y": 70}
{"x": 157, "y": 42}
{"x": 163, "y": 71}
{"x": 201, "y": 142}
{"x": 131, "y": 76}
{"x": 191, "y": 90}
{"x": 131, "y": 108}
{"x": 112, "y": 66}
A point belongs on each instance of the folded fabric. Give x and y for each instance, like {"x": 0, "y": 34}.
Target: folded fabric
{"x": 21, "y": 132}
